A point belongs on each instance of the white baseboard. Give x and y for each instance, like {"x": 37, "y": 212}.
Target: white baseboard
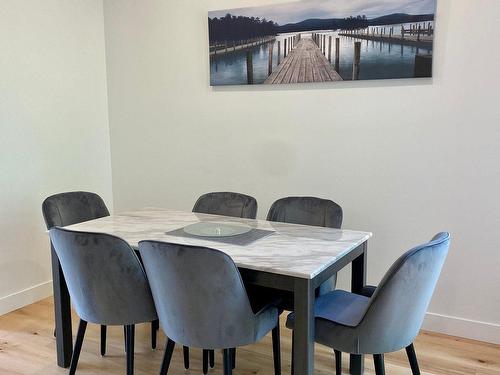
{"x": 25, "y": 297}
{"x": 454, "y": 326}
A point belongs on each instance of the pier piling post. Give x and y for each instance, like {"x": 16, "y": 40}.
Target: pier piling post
{"x": 423, "y": 65}
{"x": 337, "y": 54}
{"x": 270, "y": 67}
{"x": 418, "y": 32}
{"x": 279, "y": 52}
{"x": 284, "y": 48}
{"x": 330, "y": 48}
{"x": 249, "y": 67}
{"x": 357, "y": 60}
{"x": 402, "y": 32}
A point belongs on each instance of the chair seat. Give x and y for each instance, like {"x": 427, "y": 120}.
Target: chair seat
{"x": 339, "y": 307}
{"x": 368, "y": 290}
{"x": 265, "y": 320}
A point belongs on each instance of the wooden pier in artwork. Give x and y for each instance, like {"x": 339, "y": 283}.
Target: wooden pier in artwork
{"x": 304, "y": 63}
{"x": 414, "y": 36}
{"x": 230, "y": 47}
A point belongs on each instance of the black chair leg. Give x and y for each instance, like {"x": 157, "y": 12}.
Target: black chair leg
{"x": 211, "y": 358}
{"x": 228, "y": 366}
{"x": 185, "y": 351}
{"x": 378, "y": 359}
{"x": 169, "y": 349}
{"x": 154, "y": 333}
{"x": 276, "y": 349}
{"x": 412, "y": 357}
{"x": 125, "y": 337}
{"x": 103, "y": 340}
{"x": 130, "y": 349}
{"x": 338, "y": 362}
{"x": 293, "y": 350}
{"x": 78, "y": 346}
{"x": 205, "y": 361}
{"x": 232, "y": 351}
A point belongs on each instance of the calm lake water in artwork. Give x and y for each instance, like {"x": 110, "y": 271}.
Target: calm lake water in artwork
{"x": 379, "y": 60}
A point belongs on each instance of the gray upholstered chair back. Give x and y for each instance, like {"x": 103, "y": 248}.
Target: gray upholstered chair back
{"x": 199, "y": 295}
{"x": 73, "y": 207}
{"x": 105, "y": 279}
{"x": 398, "y": 306}
{"x": 307, "y": 211}
{"x": 227, "y": 204}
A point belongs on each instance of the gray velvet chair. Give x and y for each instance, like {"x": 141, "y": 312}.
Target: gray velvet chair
{"x": 74, "y": 207}
{"x": 106, "y": 282}
{"x": 227, "y": 204}
{"x": 391, "y": 318}
{"x": 202, "y": 302}
{"x": 306, "y": 211}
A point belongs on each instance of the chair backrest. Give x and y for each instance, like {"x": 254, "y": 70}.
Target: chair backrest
{"x": 227, "y": 204}
{"x": 398, "y": 306}
{"x": 199, "y": 295}
{"x": 105, "y": 279}
{"x": 73, "y": 207}
{"x": 307, "y": 211}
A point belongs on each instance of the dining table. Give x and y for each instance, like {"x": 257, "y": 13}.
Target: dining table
{"x": 289, "y": 257}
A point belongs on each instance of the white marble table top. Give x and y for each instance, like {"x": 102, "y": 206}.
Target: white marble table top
{"x": 294, "y": 250}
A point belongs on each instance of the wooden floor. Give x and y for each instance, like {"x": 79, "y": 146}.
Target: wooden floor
{"x": 27, "y": 347}
{"x": 305, "y": 63}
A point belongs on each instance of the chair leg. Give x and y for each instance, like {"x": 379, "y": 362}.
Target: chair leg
{"x": 169, "y": 349}
{"x": 130, "y": 349}
{"x": 276, "y": 349}
{"x": 154, "y": 333}
{"x": 205, "y": 361}
{"x": 338, "y": 362}
{"x": 78, "y": 346}
{"x": 185, "y": 351}
{"x": 211, "y": 358}
{"x": 232, "y": 351}
{"x": 228, "y": 367}
{"x": 103, "y": 340}
{"x": 378, "y": 359}
{"x": 125, "y": 337}
{"x": 412, "y": 357}
{"x": 293, "y": 350}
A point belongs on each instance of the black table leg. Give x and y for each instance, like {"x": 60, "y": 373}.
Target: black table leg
{"x": 358, "y": 281}
{"x": 303, "y": 351}
{"x": 62, "y": 310}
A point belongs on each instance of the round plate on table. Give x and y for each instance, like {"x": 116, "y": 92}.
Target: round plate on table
{"x": 216, "y": 229}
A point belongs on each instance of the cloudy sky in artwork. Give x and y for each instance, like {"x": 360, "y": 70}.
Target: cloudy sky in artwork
{"x": 304, "y": 9}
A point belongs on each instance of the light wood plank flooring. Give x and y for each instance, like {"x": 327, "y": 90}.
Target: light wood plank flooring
{"x": 27, "y": 346}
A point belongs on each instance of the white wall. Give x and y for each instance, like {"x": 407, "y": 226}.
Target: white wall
{"x": 54, "y": 133}
{"x": 405, "y": 158}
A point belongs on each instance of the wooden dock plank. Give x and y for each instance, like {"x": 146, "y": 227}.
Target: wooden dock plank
{"x": 305, "y": 63}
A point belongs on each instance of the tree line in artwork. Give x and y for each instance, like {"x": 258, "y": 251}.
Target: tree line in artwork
{"x": 350, "y": 23}
{"x": 231, "y": 28}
